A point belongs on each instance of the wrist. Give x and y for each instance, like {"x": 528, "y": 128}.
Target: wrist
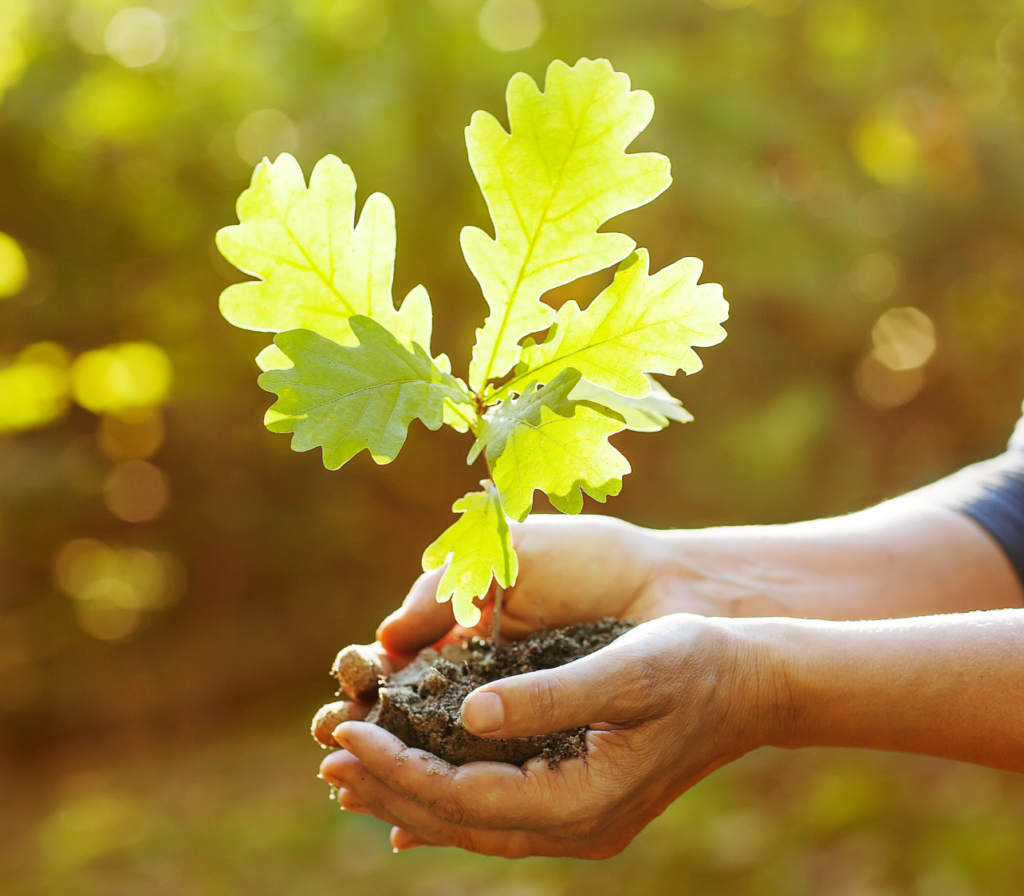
{"x": 739, "y": 572}
{"x": 767, "y": 660}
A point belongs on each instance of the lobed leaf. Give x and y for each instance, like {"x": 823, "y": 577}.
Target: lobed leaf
{"x": 477, "y": 548}
{"x": 346, "y": 398}
{"x": 545, "y": 440}
{"x": 648, "y": 414}
{"x": 640, "y": 324}
{"x": 317, "y": 267}
{"x": 549, "y": 185}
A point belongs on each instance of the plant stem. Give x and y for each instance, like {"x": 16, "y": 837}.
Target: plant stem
{"x": 500, "y": 592}
{"x": 496, "y": 619}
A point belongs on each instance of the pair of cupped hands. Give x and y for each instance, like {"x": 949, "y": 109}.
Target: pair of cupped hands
{"x": 666, "y": 704}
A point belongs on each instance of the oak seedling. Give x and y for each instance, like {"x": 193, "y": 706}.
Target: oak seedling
{"x": 351, "y": 372}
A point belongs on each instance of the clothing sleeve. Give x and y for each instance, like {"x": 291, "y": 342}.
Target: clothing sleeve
{"x": 992, "y": 494}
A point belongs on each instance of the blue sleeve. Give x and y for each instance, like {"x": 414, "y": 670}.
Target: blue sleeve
{"x": 992, "y": 494}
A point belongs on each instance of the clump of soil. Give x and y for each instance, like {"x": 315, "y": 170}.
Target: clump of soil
{"x": 420, "y": 704}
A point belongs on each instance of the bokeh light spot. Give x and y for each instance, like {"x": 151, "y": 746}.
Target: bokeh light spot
{"x": 876, "y": 276}
{"x": 131, "y": 435}
{"x": 14, "y": 16}
{"x": 113, "y": 104}
{"x": 266, "y": 134}
{"x": 136, "y": 491}
{"x": 136, "y": 37}
{"x": 837, "y": 28}
{"x": 353, "y": 24}
{"x": 88, "y": 827}
{"x": 13, "y": 267}
{"x": 114, "y": 587}
{"x": 507, "y": 25}
{"x": 1010, "y": 47}
{"x": 883, "y": 387}
{"x": 34, "y": 389}
{"x": 887, "y": 149}
{"x": 122, "y": 377}
{"x": 904, "y": 338}
{"x": 83, "y": 562}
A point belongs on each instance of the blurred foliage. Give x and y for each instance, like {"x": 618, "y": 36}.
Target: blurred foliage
{"x": 244, "y": 815}
{"x": 849, "y": 170}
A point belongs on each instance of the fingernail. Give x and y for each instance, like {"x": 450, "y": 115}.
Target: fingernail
{"x": 483, "y": 712}
{"x": 330, "y": 779}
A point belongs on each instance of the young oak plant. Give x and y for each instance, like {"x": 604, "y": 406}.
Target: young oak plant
{"x": 352, "y": 372}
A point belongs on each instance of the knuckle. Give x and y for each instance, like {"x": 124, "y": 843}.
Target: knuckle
{"x": 642, "y": 683}
{"x": 448, "y": 811}
{"x": 450, "y": 808}
{"x": 544, "y": 695}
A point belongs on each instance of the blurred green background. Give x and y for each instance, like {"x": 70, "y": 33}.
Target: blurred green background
{"x": 174, "y": 581}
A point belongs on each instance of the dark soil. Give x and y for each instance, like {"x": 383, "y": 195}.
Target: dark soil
{"x": 420, "y": 704}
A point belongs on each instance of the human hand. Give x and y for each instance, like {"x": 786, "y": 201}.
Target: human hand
{"x": 571, "y": 569}
{"x": 667, "y": 703}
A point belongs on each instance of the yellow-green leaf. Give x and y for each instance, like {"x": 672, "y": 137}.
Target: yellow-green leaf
{"x": 544, "y": 440}
{"x": 347, "y": 398}
{"x": 648, "y": 414}
{"x": 640, "y": 324}
{"x": 477, "y": 548}
{"x": 561, "y": 173}
{"x": 316, "y": 266}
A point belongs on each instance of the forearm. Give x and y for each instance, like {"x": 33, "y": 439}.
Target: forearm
{"x": 948, "y": 686}
{"x": 904, "y": 558}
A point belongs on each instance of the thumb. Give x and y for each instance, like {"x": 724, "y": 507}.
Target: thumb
{"x": 607, "y": 686}
{"x": 420, "y": 621}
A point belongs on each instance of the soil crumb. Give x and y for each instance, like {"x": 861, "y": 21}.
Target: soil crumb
{"x": 421, "y": 703}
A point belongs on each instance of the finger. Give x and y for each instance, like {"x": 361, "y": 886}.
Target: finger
{"x": 484, "y": 795}
{"x": 331, "y": 715}
{"x": 420, "y": 621}
{"x": 616, "y": 684}
{"x": 357, "y": 712}
{"x": 352, "y": 803}
{"x": 366, "y": 790}
{"x": 430, "y": 830}
{"x": 403, "y": 840}
{"x": 360, "y": 792}
{"x": 359, "y": 669}
{"x": 363, "y": 790}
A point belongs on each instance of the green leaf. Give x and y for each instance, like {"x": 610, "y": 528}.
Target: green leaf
{"x": 345, "y": 398}
{"x": 476, "y": 548}
{"x": 648, "y": 414}
{"x": 545, "y": 440}
{"x": 460, "y": 417}
{"x": 316, "y": 266}
{"x": 640, "y": 324}
{"x": 558, "y": 176}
